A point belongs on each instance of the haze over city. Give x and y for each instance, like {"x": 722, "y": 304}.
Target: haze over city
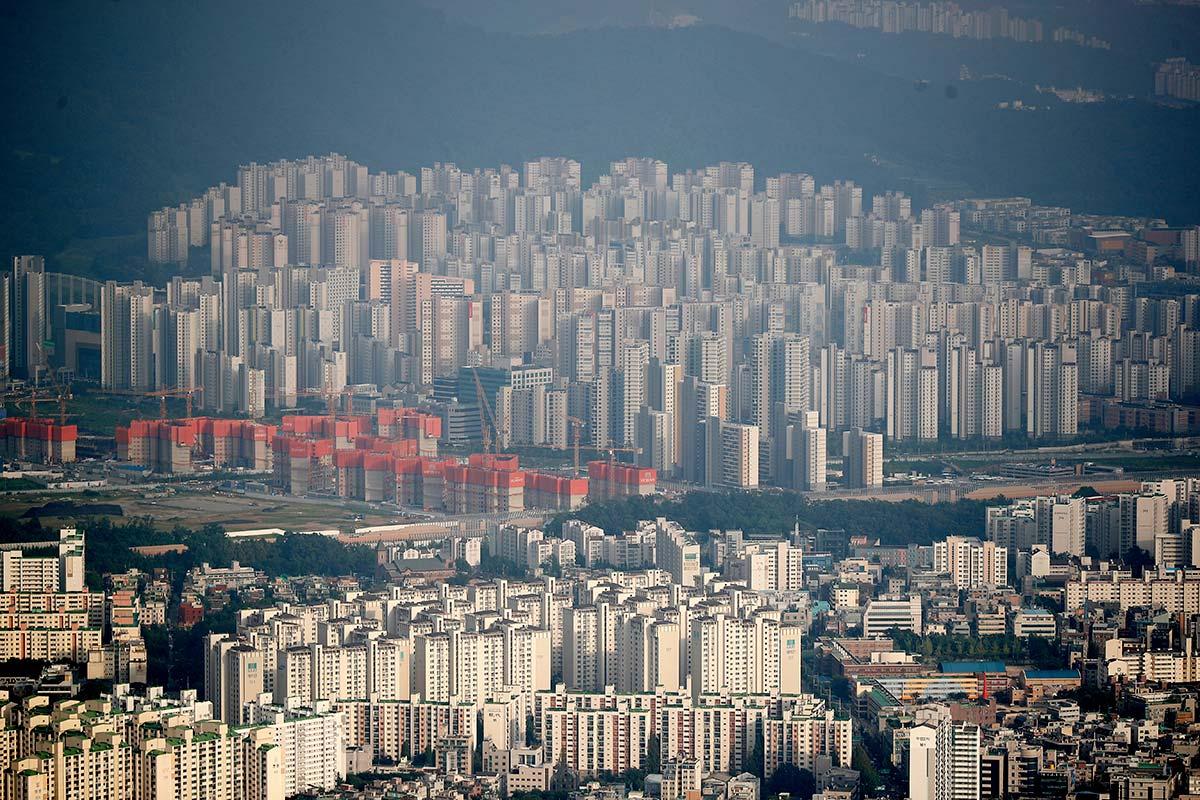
{"x": 600, "y": 400}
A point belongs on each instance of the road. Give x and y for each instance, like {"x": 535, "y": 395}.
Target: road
{"x": 966, "y": 487}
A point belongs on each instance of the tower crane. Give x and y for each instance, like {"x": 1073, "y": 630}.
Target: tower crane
{"x": 576, "y": 427}
{"x": 487, "y": 417}
{"x": 162, "y": 395}
{"x": 35, "y": 399}
{"x": 328, "y": 394}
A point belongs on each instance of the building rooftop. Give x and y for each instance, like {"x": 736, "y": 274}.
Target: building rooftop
{"x": 1051, "y": 674}
{"x": 972, "y": 666}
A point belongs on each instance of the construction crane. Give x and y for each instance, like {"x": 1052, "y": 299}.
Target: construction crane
{"x": 187, "y": 394}
{"x": 576, "y": 428}
{"x": 612, "y": 462}
{"x": 486, "y": 417}
{"x": 613, "y": 450}
{"x": 162, "y": 395}
{"x": 35, "y": 399}
{"x": 328, "y": 394}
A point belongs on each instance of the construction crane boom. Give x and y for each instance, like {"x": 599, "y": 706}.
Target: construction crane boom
{"x": 612, "y": 462}
{"x": 576, "y": 428}
{"x": 486, "y": 417}
{"x": 35, "y": 399}
{"x": 162, "y": 394}
{"x": 330, "y": 395}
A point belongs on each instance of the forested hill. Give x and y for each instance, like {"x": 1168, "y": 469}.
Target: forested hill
{"x": 115, "y": 108}
{"x": 893, "y": 524}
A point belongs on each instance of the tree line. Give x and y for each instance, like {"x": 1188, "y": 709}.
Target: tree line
{"x": 894, "y": 524}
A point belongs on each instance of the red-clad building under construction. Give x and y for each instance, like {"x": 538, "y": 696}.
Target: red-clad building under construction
{"x": 40, "y": 440}
{"x": 407, "y": 423}
{"x": 389, "y": 458}
{"x": 485, "y": 484}
{"x": 609, "y": 479}
{"x": 171, "y": 445}
{"x": 355, "y": 456}
{"x": 543, "y": 490}
{"x": 298, "y": 452}
{"x": 494, "y": 483}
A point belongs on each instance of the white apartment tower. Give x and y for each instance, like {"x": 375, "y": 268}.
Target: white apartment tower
{"x": 127, "y": 336}
{"x": 956, "y": 762}
{"x": 971, "y": 563}
{"x": 1052, "y": 390}
{"x": 862, "y": 457}
{"x": 808, "y": 453}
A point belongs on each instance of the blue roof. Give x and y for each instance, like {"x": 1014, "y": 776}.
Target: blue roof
{"x": 972, "y": 666}
{"x": 1051, "y": 674}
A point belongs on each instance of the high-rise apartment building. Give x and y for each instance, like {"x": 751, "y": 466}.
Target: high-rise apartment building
{"x": 28, "y": 318}
{"x": 862, "y": 458}
{"x": 971, "y": 563}
{"x": 1062, "y": 522}
{"x": 956, "y": 762}
{"x": 944, "y": 761}
{"x": 1051, "y": 390}
{"x": 127, "y": 336}
{"x": 677, "y": 552}
{"x": 732, "y": 454}
{"x": 808, "y": 453}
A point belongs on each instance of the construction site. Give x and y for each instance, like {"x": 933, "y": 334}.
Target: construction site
{"x": 388, "y": 456}
{"x": 34, "y": 438}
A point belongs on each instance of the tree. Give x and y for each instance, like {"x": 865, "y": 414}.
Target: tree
{"x": 1049, "y": 603}
{"x": 894, "y": 524}
{"x": 653, "y": 762}
{"x": 1091, "y": 698}
{"x": 531, "y": 736}
{"x": 1042, "y": 653}
{"x": 1138, "y": 559}
{"x": 757, "y": 764}
{"x": 495, "y": 567}
{"x": 795, "y": 781}
{"x": 866, "y": 769}
{"x": 536, "y": 795}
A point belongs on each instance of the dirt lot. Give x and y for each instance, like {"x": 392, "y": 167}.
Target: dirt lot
{"x": 1014, "y": 492}
{"x": 196, "y": 508}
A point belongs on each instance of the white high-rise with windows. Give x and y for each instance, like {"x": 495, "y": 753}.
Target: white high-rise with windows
{"x": 809, "y": 453}
{"x": 956, "y": 762}
{"x": 943, "y": 761}
{"x": 862, "y": 458}
{"x": 1062, "y": 521}
{"x": 884, "y": 613}
{"x": 971, "y": 563}
{"x": 922, "y": 761}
